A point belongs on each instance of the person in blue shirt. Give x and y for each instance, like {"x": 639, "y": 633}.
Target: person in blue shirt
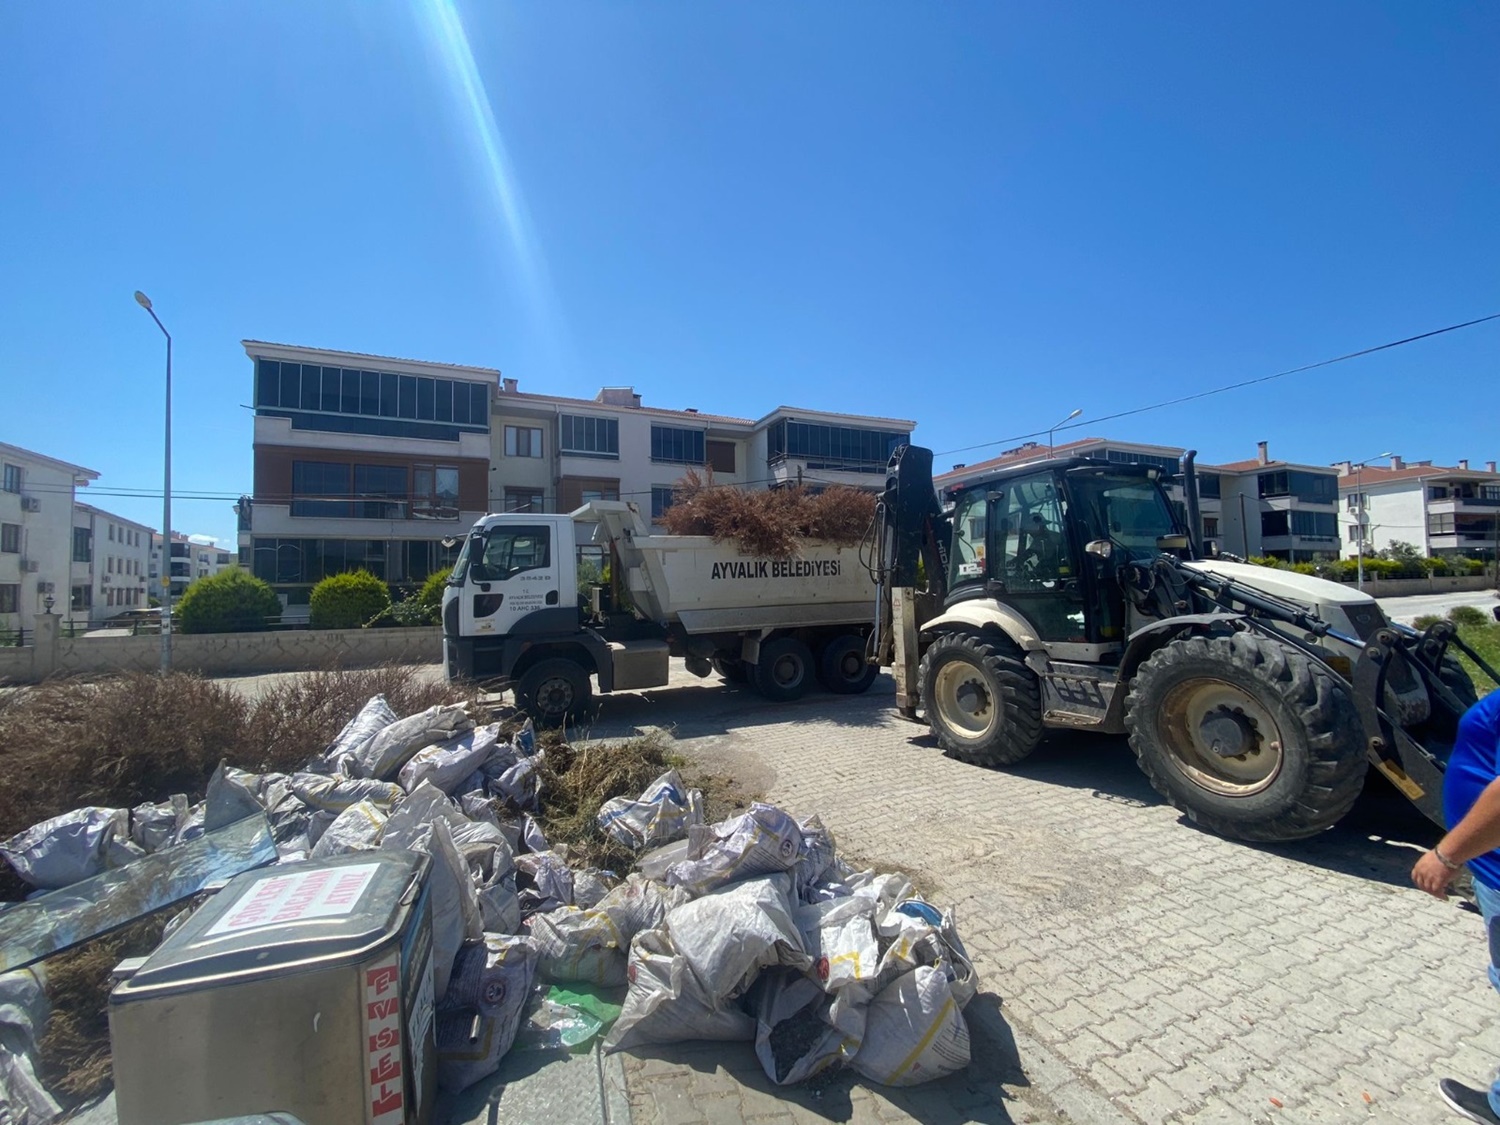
{"x": 1471, "y": 807}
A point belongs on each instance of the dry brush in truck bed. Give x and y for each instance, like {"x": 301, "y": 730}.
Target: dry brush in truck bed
{"x": 768, "y": 521}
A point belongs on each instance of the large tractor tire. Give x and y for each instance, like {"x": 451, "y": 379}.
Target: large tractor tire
{"x": 784, "y": 671}
{"x": 983, "y": 704}
{"x": 842, "y": 667}
{"x": 554, "y": 691}
{"x": 1249, "y": 738}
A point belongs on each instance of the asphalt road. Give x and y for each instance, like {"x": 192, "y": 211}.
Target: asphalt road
{"x": 1408, "y": 608}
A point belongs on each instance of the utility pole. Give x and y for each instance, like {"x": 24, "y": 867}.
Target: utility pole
{"x": 166, "y": 501}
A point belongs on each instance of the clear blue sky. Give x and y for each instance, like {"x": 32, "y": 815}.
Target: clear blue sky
{"x": 980, "y": 216}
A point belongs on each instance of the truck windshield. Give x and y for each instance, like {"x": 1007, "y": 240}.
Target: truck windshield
{"x": 1130, "y": 512}
{"x": 508, "y": 550}
{"x": 461, "y": 567}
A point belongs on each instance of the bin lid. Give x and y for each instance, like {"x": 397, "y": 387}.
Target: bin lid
{"x": 303, "y": 916}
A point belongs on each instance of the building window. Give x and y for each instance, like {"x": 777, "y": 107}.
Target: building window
{"x": 379, "y": 491}
{"x": 221, "y": 558}
{"x": 677, "y": 445}
{"x": 1441, "y": 524}
{"x": 1314, "y": 488}
{"x": 310, "y": 387}
{"x": 720, "y": 456}
{"x": 523, "y": 500}
{"x": 1489, "y": 491}
{"x": 1210, "y": 527}
{"x": 1126, "y": 457}
{"x": 317, "y": 478}
{"x": 1315, "y": 525}
{"x": 1355, "y": 501}
{"x": 833, "y": 447}
{"x": 1209, "y": 486}
{"x": 10, "y": 538}
{"x": 523, "y": 441}
{"x": 591, "y": 437}
{"x": 110, "y": 565}
{"x": 434, "y": 492}
{"x": 661, "y": 500}
{"x": 12, "y": 478}
{"x": 82, "y": 599}
{"x": 574, "y": 492}
{"x": 83, "y": 544}
{"x": 1273, "y": 524}
{"x": 10, "y": 596}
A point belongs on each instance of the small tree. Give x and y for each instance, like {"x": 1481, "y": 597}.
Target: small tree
{"x": 347, "y": 601}
{"x": 232, "y": 601}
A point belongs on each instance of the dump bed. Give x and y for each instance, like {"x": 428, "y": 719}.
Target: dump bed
{"x": 713, "y": 587}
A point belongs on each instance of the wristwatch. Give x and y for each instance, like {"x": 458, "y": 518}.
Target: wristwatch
{"x": 1446, "y": 862}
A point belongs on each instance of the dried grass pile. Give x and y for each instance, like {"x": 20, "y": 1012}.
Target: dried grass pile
{"x": 771, "y": 522}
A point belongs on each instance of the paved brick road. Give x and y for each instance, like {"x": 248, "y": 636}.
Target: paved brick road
{"x": 1149, "y": 972}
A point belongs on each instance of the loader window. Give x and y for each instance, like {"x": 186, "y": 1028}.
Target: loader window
{"x": 1031, "y": 549}
{"x": 510, "y": 550}
{"x": 1131, "y": 513}
{"x": 969, "y": 531}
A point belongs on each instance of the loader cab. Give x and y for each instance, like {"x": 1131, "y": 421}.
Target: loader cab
{"x": 1050, "y": 541}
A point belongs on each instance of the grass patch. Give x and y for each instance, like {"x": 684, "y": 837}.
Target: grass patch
{"x": 1484, "y": 639}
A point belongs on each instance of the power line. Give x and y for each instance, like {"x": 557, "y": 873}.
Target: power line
{"x": 1232, "y": 386}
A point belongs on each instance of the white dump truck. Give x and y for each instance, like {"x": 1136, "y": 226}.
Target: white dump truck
{"x": 544, "y": 603}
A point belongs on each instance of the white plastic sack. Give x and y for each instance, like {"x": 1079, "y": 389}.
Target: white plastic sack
{"x": 446, "y": 765}
{"x": 548, "y": 883}
{"x": 520, "y": 786}
{"x": 500, "y": 906}
{"x": 228, "y": 798}
{"x": 814, "y": 858}
{"x": 728, "y": 936}
{"x": 372, "y": 718}
{"x": 666, "y": 1004}
{"x": 839, "y": 936}
{"x": 532, "y": 835}
{"x": 655, "y": 864}
{"x": 335, "y": 794}
{"x": 155, "y": 826}
{"x": 23, "y": 1017}
{"x": 578, "y": 945}
{"x": 67, "y": 848}
{"x": 384, "y": 755}
{"x": 914, "y": 1031}
{"x": 793, "y": 1038}
{"x": 356, "y": 829}
{"x": 638, "y": 904}
{"x": 455, "y": 906}
{"x": 760, "y": 842}
{"x": 664, "y": 812}
{"x": 590, "y": 885}
{"x": 919, "y": 935}
{"x": 481, "y": 1010}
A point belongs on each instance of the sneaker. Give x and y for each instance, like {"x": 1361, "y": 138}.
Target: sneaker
{"x": 1473, "y": 1104}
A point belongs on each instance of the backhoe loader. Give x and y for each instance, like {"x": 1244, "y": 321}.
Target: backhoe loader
{"x": 1071, "y": 593}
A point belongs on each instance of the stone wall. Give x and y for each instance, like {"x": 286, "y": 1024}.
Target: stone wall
{"x": 1398, "y": 587}
{"x": 219, "y": 654}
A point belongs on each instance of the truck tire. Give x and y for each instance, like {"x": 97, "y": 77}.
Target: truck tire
{"x": 842, "y": 667}
{"x": 784, "y": 670}
{"x": 554, "y": 691}
{"x": 731, "y": 669}
{"x": 1301, "y": 762}
{"x": 983, "y": 704}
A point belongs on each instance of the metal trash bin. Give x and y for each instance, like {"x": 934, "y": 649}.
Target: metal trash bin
{"x": 304, "y": 989}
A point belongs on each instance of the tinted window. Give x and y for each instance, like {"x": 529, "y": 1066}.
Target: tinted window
{"x": 388, "y": 385}
{"x": 443, "y": 400}
{"x": 289, "y": 381}
{"x": 408, "y": 397}
{"x": 331, "y": 377}
{"x": 508, "y": 551}
{"x": 312, "y": 387}
{"x": 369, "y": 392}
{"x": 267, "y": 382}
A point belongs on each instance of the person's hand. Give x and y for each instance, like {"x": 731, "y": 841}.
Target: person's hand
{"x": 1431, "y": 875}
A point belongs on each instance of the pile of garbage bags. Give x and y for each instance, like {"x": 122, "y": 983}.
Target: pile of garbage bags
{"x": 752, "y": 929}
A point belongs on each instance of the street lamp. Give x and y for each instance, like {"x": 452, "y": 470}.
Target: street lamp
{"x": 1069, "y": 418}
{"x": 1359, "y": 493}
{"x": 166, "y": 500}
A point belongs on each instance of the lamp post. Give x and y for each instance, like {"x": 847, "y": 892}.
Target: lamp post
{"x": 1053, "y": 428}
{"x": 1359, "y": 493}
{"x": 166, "y": 500}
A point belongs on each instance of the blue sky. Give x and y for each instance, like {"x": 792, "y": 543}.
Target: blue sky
{"x": 980, "y": 216}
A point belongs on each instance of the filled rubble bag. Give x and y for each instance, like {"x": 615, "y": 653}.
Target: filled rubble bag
{"x": 794, "y": 1033}
{"x": 640, "y": 904}
{"x": 356, "y": 829}
{"x": 23, "y": 1017}
{"x": 666, "y": 1004}
{"x": 760, "y": 842}
{"x": 914, "y": 1031}
{"x": 66, "y": 849}
{"x": 448, "y": 765}
{"x": 482, "y": 1008}
{"x": 664, "y": 812}
{"x": 384, "y": 755}
{"x": 370, "y": 720}
{"x": 582, "y": 946}
{"x": 728, "y": 936}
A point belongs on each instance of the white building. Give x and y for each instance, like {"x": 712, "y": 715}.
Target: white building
{"x": 550, "y": 453}
{"x": 1442, "y": 511}
{"x": 190, "y": 561}
{"x": 361, "y": 461}
{"x": 36, "y": 534}
{"x": 112, "y": 564}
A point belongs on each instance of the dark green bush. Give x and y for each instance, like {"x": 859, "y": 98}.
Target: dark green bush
{"x": 232, "y": 601}
{"x": 1469, "y": 615}
{"x": 347, "y": 601}
{"x": 1425, "y": 620}
{"x": 431, "y": 593}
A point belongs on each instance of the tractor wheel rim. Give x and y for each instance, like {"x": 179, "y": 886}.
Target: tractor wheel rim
{"x": 1198, "y": 705}
{"x": 964, "y": 701}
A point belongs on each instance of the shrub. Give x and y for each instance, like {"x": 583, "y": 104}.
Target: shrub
{"x": 1425, "y": 620}
{"x": 1267, "y": 561}
{"x": 347, "y": 601}
{"x": 1468, "y": 615}
{"x": 233, "y": 601}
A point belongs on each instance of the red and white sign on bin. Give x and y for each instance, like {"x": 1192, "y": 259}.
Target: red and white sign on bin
{"x": 297, "y": 897}
{"x": 383, "y": 1041}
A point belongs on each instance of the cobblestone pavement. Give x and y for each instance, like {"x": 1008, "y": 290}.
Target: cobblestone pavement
{"x": 1134, "y": 968}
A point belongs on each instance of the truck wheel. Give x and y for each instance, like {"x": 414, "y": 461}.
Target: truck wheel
{"x": 1252, "y": 740}
{"x": 842, "y": 667}
{"x": 983, "y": 704}
{"x": 783, "y": 670}
{"x": 553, "y": 691}
{"x": 731, "y": 669}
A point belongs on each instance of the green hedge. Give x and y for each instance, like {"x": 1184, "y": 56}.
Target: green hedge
{"x": 1347, "y": 570}
{"x": 347, "y": 601}
{"x": 232, "y": 601}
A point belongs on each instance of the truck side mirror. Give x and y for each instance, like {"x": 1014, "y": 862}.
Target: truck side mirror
{"x": 1099, "y": 548}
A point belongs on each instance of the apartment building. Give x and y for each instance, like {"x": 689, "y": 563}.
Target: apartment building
{"x": 361, "y": 461}
{"x": 1442, "y": 511}
{"x": 1264, "y": 507}
{"x": 551, "y": 453}
{"x": 36, "y": 530}
{"x": 111, "y": 565}
{"x": 190, "y": 561}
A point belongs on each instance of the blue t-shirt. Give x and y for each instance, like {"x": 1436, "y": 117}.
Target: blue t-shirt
{"x": 1474, "y": 763}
